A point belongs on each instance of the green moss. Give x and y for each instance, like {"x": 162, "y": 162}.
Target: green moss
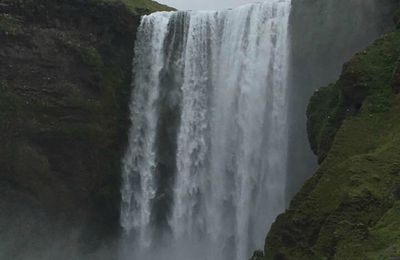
{"x": 379, "y": 60}
{"x": 368, "y": 76}
{"x": 345, "y": 210}
{"x": 62, "y": 135}
{"x": 31, "y": 167}
{"x": 9, "y": 101}
{"x": 325, "y": 114}
{"x": 86, "y": 51}
{"x": 258, "y": 255}
{"x": 91, "y": 57}
{"x": 141, "y": 6}
{"x": 76, "y": 99}
{"x": 396, "y": 19}
{"x": 10, "y": 26}
{"x": 384, "y": 241}
{"x": 11, "y": 107}
{"x": 90, "y": 132}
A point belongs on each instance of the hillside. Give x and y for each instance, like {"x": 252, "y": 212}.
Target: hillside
{"x": 349, "y": 209}
{"x": 65, "y": 73}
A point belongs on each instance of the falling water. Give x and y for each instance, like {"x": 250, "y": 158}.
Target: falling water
{"x": 204, "y": 175}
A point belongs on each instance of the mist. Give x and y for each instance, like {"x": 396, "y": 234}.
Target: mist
{"x": 322, "y": 37}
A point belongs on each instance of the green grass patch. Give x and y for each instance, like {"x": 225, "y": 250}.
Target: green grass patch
{"x": 141, "y": 6}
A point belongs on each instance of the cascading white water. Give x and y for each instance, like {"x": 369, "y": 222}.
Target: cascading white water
{"x": 204, "y": 175}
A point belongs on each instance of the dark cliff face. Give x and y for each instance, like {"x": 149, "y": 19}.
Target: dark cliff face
{"x": 350, "y": 208}
{"x": 65, "y": 72}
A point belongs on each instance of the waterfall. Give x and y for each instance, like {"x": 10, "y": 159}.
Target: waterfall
{"x": 204, "y": 174}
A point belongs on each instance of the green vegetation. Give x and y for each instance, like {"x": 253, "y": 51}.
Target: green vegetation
{"x": 91, "y": 57}
{"x": 367, "y": 76}
{"x": 64, "y": 96}
{"x": 396, "y": 19}
{"x": 384, "y": 242}
{"x": 349, "y": 209}
{"x": 325, "y": 115}
{"x": 9, "y": 25}
{"x": 138, "y": 6}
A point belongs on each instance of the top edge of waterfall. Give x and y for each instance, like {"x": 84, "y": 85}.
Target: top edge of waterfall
{"x": 241, "y": 7}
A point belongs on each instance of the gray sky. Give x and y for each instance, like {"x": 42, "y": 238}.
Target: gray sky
{"x": 204, "y": 4}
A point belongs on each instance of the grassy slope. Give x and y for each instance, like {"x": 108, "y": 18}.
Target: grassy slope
{"x": 140, "y": 5}
{"x": 349, "y": 209}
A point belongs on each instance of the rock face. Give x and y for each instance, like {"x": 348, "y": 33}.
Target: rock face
{"x": 65, "y": 73}
{"x": 350, "y": 208}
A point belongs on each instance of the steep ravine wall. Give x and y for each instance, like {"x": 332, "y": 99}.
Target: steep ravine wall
{"x": 65, "y": 75}
{"x": 350, "y": 208}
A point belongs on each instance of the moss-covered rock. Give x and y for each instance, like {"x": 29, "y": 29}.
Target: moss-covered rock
{"x": 65, "y": 75}
{"x": 396, "y": 19}
{"x": 258, "y": 255}
{"x": 324, "y": 34}
{"x": 396, "y": 78}
{"x": 348, "y": 209}
{"x": 325, "y": 114}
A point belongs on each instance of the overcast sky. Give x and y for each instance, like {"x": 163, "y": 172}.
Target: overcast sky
{"x": 204, "y": 4}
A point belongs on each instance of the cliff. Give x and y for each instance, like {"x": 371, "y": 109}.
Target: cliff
{"x": 324, "y": 35}
{"x": 349, "y": 209}
{"x": 65, "y": 73}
